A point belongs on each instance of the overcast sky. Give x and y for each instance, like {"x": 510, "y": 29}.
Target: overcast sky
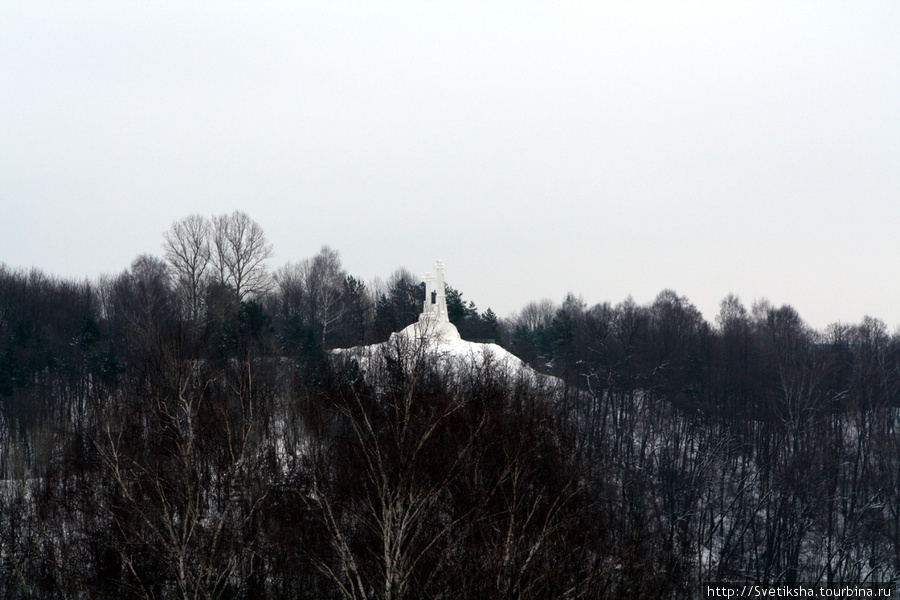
{"x": 605, "y": 148}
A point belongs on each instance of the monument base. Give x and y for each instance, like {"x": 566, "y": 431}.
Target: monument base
{"x": 430, "y": 329}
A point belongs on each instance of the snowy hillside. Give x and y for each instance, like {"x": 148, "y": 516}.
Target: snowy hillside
{"x": 433, "y": 336}
{"x": 451, "y": 354}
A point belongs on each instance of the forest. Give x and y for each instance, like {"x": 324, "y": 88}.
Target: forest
{"x": 182, "y": 429}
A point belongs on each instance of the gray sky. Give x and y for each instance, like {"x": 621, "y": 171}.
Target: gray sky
{"x": 605, "y": 148}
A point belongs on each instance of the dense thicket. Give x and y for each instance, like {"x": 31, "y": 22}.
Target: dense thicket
{"x": 167, "y": 435}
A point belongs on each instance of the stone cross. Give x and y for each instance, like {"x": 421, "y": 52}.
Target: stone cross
{"x": 428, "y": 306}
{"x": 441, "y": 308}
{"x": 434, "y": 322}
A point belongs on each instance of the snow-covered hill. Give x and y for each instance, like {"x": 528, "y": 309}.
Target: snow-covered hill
{"x": 448, "y": 352}
{"x": 433, "y": 336}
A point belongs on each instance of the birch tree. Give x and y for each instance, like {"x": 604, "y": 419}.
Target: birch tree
{"x": 182, "y": 475}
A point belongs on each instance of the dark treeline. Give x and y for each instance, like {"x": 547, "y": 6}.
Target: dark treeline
{"x": 180, "y": 430}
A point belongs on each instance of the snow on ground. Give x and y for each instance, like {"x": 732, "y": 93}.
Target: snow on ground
{"x": 478, "y": 354}
{"x": 451, "y": 353}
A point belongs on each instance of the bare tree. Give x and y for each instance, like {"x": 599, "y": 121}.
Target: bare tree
{"x": 404, "y": 445}
{"x": 142, "y": 299}
{"x": 398, "y": 302}
{"x": 537, "y": 315}
{"x": 313, "y": 290}
{"x": 181, "y": 461}
{"x": 325, "y": 278}
{"x": 239, "y": 254}
{"x": 187, "y": 247}
{"x": 445, "y": 481}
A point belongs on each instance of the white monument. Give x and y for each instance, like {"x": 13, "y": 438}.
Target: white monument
{"x": 433, "y": 323}
{"x": 434, "y": 333}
